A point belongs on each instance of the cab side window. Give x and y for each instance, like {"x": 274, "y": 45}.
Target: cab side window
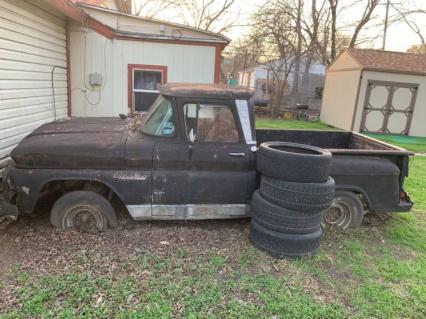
{"x": 210, "y": 123}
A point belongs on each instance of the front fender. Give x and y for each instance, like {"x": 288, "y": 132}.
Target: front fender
{"x": 132, "y": 187}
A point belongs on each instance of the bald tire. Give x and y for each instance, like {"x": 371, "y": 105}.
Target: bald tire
{"x": 283, "y": 245}
{"x": 105, "y": 214}
{"x": 293, "y": 162}
{"x": 298, "y": 196}
{"x": 283, "y": 220}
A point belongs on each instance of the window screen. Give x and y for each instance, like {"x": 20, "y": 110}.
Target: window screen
{"x": 145, "y": 88}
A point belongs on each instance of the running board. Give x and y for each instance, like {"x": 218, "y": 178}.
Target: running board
{"x": 190, "y": 211}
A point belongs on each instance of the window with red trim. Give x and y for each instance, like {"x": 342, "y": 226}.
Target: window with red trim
{"x": 143, "y": 85}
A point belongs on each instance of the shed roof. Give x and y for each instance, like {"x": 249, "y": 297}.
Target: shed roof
{"x": 205, "y": 90}
{"x": 389, "y": 61}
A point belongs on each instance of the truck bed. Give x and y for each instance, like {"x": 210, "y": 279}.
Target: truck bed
{"x": 360, "y": 163}
{"x": 338, "y": 142}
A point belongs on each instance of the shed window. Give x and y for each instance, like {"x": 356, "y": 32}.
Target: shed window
{"x": 144, "y": 81}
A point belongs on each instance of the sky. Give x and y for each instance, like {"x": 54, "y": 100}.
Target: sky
{"x": 400, "y": 37}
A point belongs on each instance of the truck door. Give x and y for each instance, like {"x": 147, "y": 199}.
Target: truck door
{"x": 221, "y": 167}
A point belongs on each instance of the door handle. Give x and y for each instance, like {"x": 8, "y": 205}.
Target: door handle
{"x": 237, "y": 154}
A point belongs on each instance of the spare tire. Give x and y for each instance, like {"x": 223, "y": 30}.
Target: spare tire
{"x": 294, "y": 162}
{"x": 284, "y": 245}
{"x": 298, "y": 196}
{"x": 283, "y": 220}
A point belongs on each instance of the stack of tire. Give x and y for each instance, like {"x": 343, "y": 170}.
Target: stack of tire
{"x": 295, "y": 189}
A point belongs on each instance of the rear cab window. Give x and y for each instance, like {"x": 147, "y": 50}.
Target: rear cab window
{"x": 210, "y": 123}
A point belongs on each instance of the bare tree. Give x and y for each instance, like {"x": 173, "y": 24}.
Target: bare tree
{"x": 417, "y": 48}
{"x": 333, "y": 35}
{"x": 276, "y": 40}
{"x": 239, "y": 55}
{"x": 366, "y": 17}
{"x": 151, "y": 8}
{"x": 208, "y": 15}
{"x": 312, "y": 30}
{"x": 407, "y": 16}
{"x": 295, "y": 86}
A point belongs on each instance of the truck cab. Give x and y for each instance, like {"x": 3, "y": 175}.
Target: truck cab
{"x": 203, "y": 160}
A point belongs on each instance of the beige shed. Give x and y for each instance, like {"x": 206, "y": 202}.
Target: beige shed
{"x": 376, "y": 91}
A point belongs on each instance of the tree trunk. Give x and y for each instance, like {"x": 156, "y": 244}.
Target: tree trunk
{"x": 372, "y": 4}
{"x": 333, "y": 8}
{"x": 295, "y": 88}
{"x": 304, "y": 88}
{"x": 312, "y": 50}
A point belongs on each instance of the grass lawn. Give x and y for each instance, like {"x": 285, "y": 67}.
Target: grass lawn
{"x": 410, "y": 143}
{"x": 292, "y": 124}
{"x": 208, "y": 269}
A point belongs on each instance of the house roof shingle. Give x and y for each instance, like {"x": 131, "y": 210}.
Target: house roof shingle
{"x": 389, "y": 61}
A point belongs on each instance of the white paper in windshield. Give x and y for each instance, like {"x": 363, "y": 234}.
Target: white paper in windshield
{"x": 243, "y": 112}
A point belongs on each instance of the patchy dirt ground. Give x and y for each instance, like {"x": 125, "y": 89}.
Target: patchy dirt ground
{"x": 186, "y": 268}
{"x": 35, "y": 244}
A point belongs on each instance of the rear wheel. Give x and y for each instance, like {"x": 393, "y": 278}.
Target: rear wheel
{"x": 84, "y": 211}
{"x": 346, "y": 211}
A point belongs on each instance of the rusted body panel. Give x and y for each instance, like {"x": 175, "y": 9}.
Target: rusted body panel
{"x": 77, "y": 143}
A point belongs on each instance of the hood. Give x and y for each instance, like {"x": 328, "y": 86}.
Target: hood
{"x": 75, "y": 143}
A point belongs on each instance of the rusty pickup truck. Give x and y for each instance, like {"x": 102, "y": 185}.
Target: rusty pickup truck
{"x": 193, "y": 156}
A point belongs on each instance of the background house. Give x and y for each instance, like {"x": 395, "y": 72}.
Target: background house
{"x": 376, "y": 91}
{"x": 258, "y": 76}
{"x": 59, "y": 58}
{"x": 142, "y": 54}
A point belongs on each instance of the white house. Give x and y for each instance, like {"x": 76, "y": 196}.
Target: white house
{"x": 59, "y": 58}
{"x": 256, "y": 77}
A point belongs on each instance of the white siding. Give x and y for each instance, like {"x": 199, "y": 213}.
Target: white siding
{"x": 185, "y": 63}
{"x": 32, "y": 43}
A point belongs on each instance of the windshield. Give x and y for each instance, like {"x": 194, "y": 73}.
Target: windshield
{"x": 159, "y": 121}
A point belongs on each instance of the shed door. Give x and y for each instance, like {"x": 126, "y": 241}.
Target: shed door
{"x": 388, "y": 107}
{"x": 33, "y": 70}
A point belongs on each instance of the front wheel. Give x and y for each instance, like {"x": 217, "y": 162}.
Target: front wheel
{"x": 346, "y": 211}
{"x": 83, "y": 211}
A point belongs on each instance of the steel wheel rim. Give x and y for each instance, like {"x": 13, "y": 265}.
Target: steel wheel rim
{"x": 83, "y": 218}
{"x": 343, "y": 212}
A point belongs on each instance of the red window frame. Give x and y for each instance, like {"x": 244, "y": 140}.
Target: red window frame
{"x": 150, "y": 67}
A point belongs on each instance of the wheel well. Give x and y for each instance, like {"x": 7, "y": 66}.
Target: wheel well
{"x": 65, "y": 186}
{"x": 365, "y": 200}
{"x": 57, "y": 188}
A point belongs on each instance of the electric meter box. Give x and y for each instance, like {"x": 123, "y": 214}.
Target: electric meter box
{"x": 95, "y": 79}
